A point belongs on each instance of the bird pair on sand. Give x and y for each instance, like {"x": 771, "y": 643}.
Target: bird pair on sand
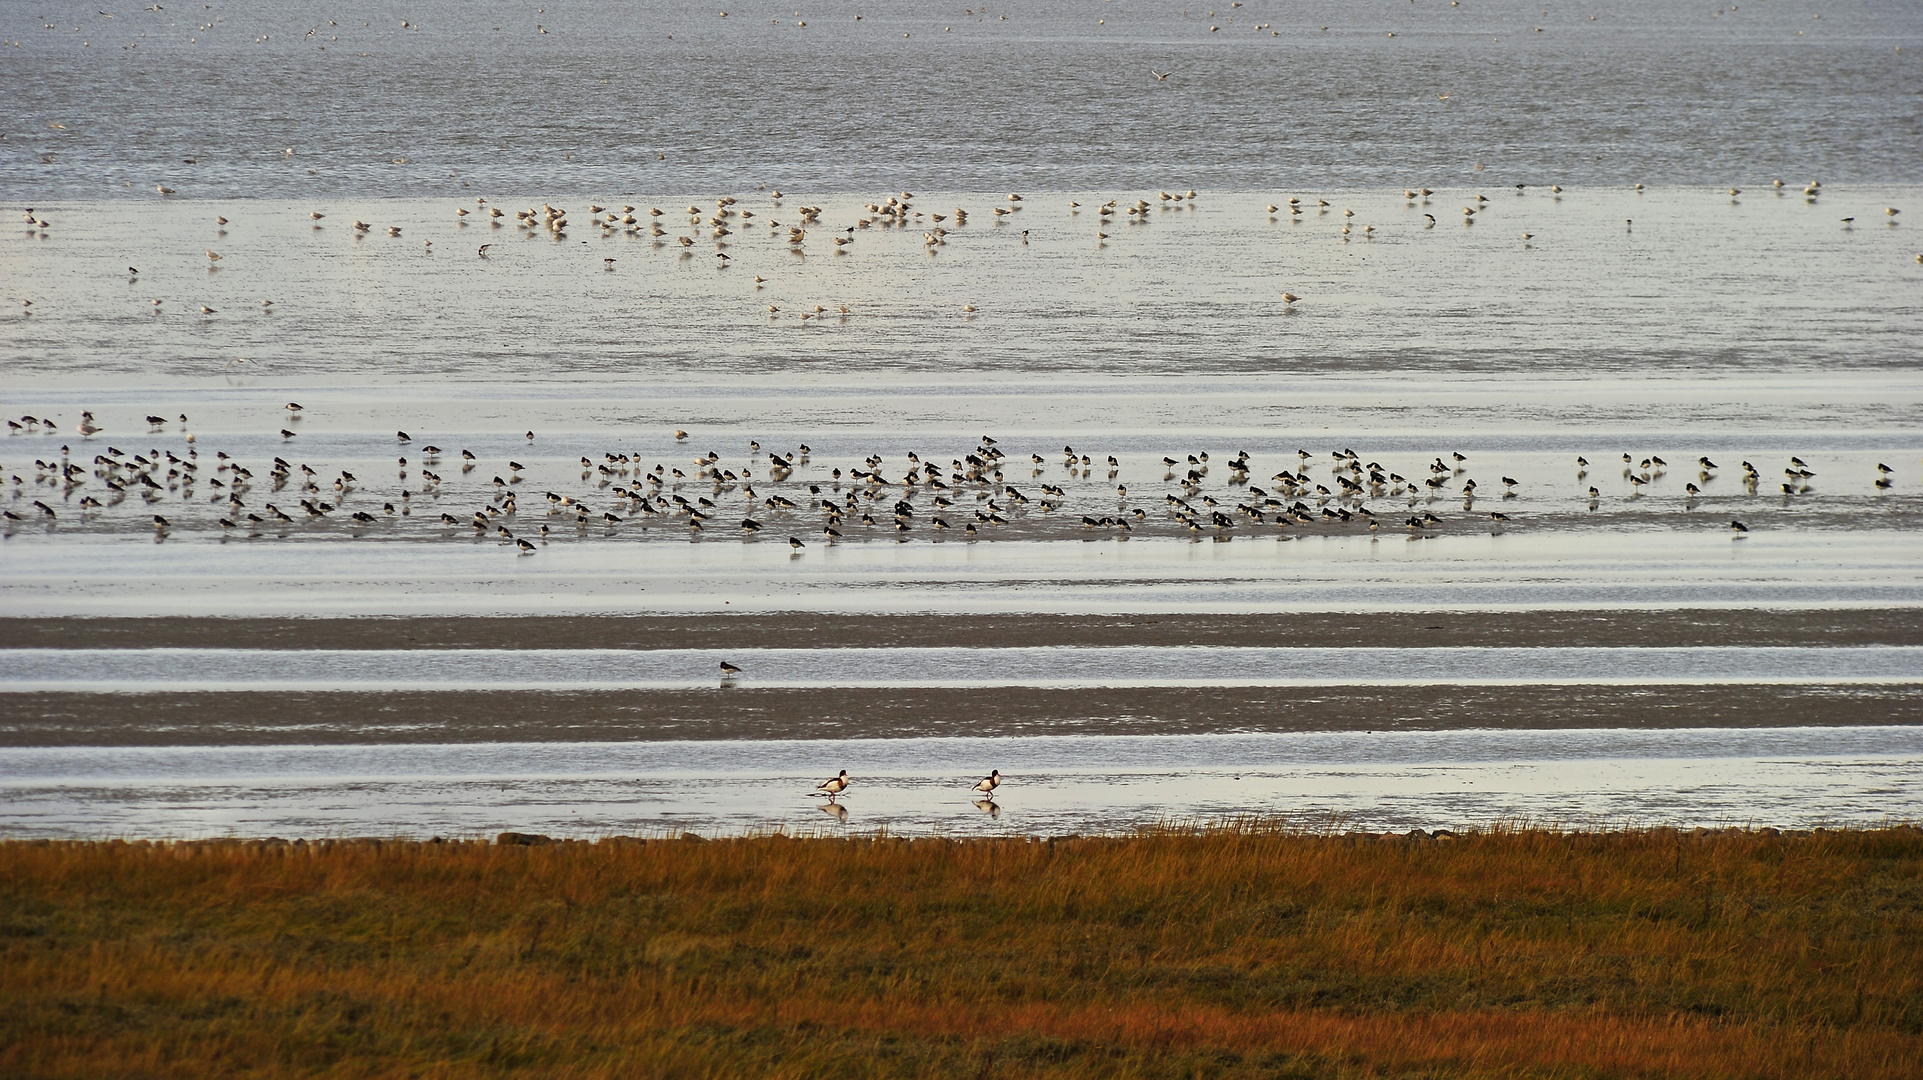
{"x": 834, "y": 786}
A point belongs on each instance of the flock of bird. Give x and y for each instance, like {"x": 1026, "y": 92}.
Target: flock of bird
{"x": 720, "y": 225}
{"x": 780, "y": 491}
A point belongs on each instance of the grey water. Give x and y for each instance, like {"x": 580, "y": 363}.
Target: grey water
{"x": 1787, "y": 777}
{"x": 284, "y": 100}
{"x": 149, "y": 670}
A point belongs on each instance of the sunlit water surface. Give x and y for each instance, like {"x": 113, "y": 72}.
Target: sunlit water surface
{"x": 1784, "y": 777}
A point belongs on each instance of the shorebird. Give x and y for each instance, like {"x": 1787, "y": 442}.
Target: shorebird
{"x": 729, "y": 671}
{"x": 987, "y": 784}
{"x": 833, "y": 786}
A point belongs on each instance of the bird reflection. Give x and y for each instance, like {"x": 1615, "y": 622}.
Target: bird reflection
{"x": 835, "y": 810}
{"x": 989, "y": 807}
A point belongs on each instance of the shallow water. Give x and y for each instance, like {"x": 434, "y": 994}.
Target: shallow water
{"x": 180, "y": 670}
{"x": 1665, "y": 284}
{"x": 1641, "y": 328}
{"x": 1784, "y": 777}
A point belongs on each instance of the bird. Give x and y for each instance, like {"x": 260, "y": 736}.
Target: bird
{"x": 1737, "y": 526}
{"x": 987, "y": 784}
{"x": 1160, "y": 76}
{"x": 834, "y": 786}
{"x": 1289, "y": 298}
{"x": 483, "y": 251}
{"x": 729, "y": 671}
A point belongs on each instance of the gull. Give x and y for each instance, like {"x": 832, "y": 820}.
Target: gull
{"x": 1160, "y": 76}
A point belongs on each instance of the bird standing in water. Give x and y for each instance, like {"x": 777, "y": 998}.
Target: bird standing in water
{"x": 833, "y": 786}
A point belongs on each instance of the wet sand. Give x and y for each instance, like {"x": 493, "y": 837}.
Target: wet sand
{"x": 263, "y": 718}
{"x": 256, "y": 717}
{"x": 1571, "y": 629}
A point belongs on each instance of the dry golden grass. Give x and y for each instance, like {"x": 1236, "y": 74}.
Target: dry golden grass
{"x": 1249, "y": 951}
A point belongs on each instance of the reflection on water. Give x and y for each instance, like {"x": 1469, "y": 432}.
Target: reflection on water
{"x": 181, "y": 670}
{"x": 1794, "y": 776}
{"x": 1702, "y": 285}
{"x": 202, "y": 250}
{"x": 1514, "y": 571}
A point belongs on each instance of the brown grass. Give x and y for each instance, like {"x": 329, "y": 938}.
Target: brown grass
{"x": 1251, "y": 951}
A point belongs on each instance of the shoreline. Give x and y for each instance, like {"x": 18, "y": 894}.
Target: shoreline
{"x": 1329, "y": 831}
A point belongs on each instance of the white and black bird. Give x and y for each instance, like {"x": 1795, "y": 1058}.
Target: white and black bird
{"x": 833, "y": 786}
{"x": 987, "y": 784}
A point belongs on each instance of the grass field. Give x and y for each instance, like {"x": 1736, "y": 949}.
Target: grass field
{"x": 1255, "y": 951}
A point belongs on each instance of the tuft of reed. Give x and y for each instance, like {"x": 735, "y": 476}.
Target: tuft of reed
{"x": 1244, "y": 950}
